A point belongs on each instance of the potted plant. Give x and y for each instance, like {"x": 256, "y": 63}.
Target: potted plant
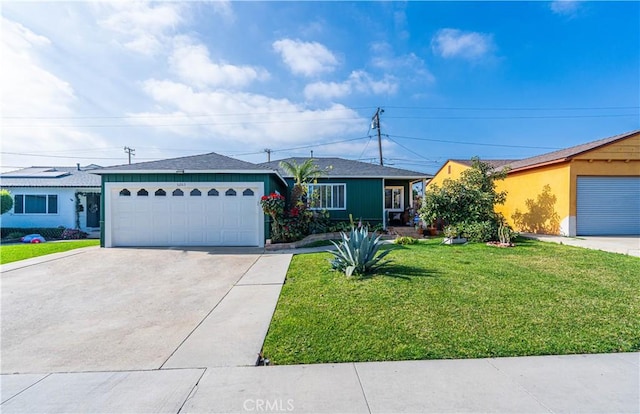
{"x": 452, "y": 235}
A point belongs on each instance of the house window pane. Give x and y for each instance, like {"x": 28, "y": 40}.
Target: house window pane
{"x": 53, "y": 204}
{"x": 18, "y": 205}
{"x": 394, "y": 198}
{"x": 143, "y": 193}
{"x": 125, "y": 193}
{"x": 195, "y": 192}
{"x": 247, "y": 192}
{"x": 177, "y": 193}
{"x": 213, "y": 192}
{"x": 160, "y": 192}
{"x": 230, "y": 192}
{"x": 35, "y": 204}
{"x": 327, "y": 196}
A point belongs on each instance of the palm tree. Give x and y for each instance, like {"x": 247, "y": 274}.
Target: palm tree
{"x": 302, "y": 174}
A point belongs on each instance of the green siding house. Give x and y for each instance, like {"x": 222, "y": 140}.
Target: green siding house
{"x": 214, "y": 200}
{"x": 368, "y": 192}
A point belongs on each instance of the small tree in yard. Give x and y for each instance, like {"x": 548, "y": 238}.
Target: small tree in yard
{"x": 468, "y": 203}
{"x": 6, "y": 201}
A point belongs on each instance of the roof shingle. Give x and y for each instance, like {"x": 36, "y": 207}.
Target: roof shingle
{"x": 340, "y": 167}
{"x": 50, "y": 177}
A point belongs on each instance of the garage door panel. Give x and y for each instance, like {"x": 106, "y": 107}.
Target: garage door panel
{"x": 608, "y": 206}
{"x": 213, "y": 218}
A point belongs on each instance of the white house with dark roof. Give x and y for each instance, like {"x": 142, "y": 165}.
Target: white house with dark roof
{"x": 52, "y": 197}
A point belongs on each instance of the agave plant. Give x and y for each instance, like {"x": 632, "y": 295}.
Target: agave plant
{"x": 358, "y": 253}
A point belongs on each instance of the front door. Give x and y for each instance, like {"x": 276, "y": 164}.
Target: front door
{"x": 93, "y": 210}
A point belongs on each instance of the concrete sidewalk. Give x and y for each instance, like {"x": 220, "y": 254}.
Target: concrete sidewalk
{"x": 629, "y": 245}
{"x": 600, "y": 383}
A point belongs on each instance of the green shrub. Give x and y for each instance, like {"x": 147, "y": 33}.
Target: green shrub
{"x": 46, "y": 232}
{"x": 481, "y": 231}
{"x": 6, "y": 201}
{"x": 358, "y": 253}
{"x": 404, "y": 240}
{"x": 16, "y": 235}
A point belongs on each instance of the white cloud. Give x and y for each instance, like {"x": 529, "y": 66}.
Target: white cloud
{"x": 358, "y": 81}
{"x": 30, "y": 92}
{"x": 305, "y": 58}
{"x": 143, "y": 27}
{"x": 452, "y": 43}
{"x": 223, "y": 8}
{"x": 408, "y": 65}
{"x": 191, "y": 62}
{"x": 564, "y": 7}
{"x": 241, "y": 120}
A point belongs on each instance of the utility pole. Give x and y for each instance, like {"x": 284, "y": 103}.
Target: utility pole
{"x": 268, "y": 151}
{"x": 375, "y": 124}
{"x": 130, "y": 151}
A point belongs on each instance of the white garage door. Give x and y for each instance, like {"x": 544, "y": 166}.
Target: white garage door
{"x": 608, "y": 206}
{"x": 192, "y": 214}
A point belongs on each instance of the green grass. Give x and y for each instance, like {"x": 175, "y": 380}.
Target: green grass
{"x": 436, "y": 301}
{"x": 15, "y": 252}
{"x": 318, "y": 243}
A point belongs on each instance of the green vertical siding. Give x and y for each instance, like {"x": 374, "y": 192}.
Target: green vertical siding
{"x": 364, "y": 199}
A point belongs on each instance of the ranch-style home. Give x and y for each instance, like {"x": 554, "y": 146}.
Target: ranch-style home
{"x": 47, "y": 197}
{"x": 214, "y": 200}
{"x": 588, "y": 189}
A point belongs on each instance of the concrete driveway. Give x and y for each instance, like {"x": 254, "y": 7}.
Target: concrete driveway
{"x": 123, "y": 309}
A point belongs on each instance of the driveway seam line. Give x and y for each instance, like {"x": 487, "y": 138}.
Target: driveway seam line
{"x": 14, "y": 396}
{"x": 192, "y": 392}
{"x": 519, "y": 385}
{"x": 364, "y": 394}
{"x": 208, "y": 313}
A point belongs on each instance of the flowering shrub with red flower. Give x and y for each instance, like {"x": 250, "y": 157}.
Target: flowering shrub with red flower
{"x": 289, "y": 225}
{"x": 273, "y": 204}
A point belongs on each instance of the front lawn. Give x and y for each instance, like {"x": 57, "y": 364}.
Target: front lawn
{"x": 437, "y": 301}
{"x": 14, "y": 252}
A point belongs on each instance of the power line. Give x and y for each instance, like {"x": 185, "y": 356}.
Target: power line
{"x": 518, "y": 117}
{"x": 408, "y": 149}
{"x": 288, "y": 121}
{"x": 462, "y": 108}
{"x": 473, "y": 143}
{"x": 430, "y": 108}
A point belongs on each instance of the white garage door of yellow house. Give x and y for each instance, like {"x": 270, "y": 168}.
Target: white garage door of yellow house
{"x": 189, "y": 214}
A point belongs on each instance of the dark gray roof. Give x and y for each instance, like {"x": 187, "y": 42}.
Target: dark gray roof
{"x": 568, "y": 153}
{"x": 340, "y": 167}
{"x": 50, "y": 177}
{"x": 204, "y": 162}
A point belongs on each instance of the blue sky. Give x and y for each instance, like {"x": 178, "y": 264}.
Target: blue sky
{"x": 82, "y": 80}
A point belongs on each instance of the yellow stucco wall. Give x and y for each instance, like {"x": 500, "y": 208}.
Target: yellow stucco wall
{"x": 543, "y": 199}
{"x": 450, "y": 170}
{"x": 537, "y": 199}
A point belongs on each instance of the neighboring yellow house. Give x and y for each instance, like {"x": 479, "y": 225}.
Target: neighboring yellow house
{"x": 589, "y": 189}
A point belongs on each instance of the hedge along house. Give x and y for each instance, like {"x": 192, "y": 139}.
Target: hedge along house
{"x": 202, "y": 200}
{"x": 589, "y": 189}
{"x": 369, "y": 192}
{"x": 49, "y": 197}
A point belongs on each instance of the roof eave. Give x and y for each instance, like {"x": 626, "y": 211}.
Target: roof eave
{"x": 540, "y": 164}
{"x": 178, "y": 171}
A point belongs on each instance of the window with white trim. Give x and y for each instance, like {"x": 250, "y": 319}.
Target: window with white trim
{"x": 327, "y": 196}
{"x": 35, "y": 204}
{"x": 394, "y": 198}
